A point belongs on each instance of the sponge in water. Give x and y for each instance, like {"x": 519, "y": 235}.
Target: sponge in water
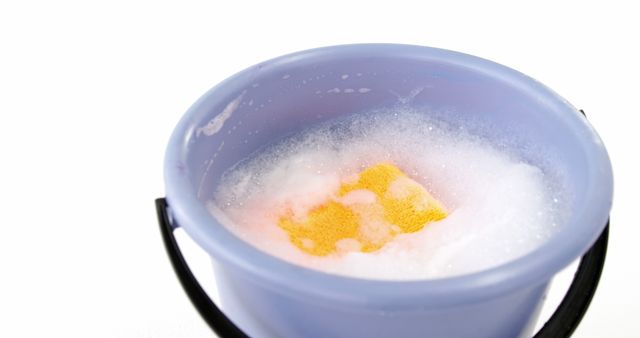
{"x": 367, "y": 212}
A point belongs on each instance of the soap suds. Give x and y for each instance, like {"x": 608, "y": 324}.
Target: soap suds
{"x": 500, "y": 207}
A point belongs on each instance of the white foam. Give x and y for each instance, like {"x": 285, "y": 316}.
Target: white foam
{"x": 499, "y": 207}
{"x": 359, "y": 196}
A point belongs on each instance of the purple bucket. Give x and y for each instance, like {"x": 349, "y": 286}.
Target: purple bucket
{"x": 264, "y": 296}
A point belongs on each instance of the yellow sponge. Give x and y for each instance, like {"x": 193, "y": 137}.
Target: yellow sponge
{"x": 366, "y": 214}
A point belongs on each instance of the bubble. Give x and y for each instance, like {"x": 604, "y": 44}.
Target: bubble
{"x": 500, "y": 206}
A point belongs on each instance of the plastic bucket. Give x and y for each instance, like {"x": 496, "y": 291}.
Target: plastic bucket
{"x": 267, "y": 297}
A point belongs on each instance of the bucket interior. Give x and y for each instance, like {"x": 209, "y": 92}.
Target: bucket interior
{"x": 277, "y": 98}
{"x": 276, "y": 103}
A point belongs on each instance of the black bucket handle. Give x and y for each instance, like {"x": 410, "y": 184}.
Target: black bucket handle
{"x": 561, "y": 324}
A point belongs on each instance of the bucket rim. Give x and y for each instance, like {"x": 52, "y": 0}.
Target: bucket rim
{"x": 531, "y": 270}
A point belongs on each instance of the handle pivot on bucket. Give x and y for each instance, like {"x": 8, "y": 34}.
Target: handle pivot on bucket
{"x": 211, "y": 314}
{"x": 561, "y": 324}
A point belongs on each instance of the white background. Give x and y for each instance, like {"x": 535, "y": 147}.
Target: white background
{"x": 90, "y": 92}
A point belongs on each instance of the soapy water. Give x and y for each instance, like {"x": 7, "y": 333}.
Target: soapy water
{"x": 499, "y": 206}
